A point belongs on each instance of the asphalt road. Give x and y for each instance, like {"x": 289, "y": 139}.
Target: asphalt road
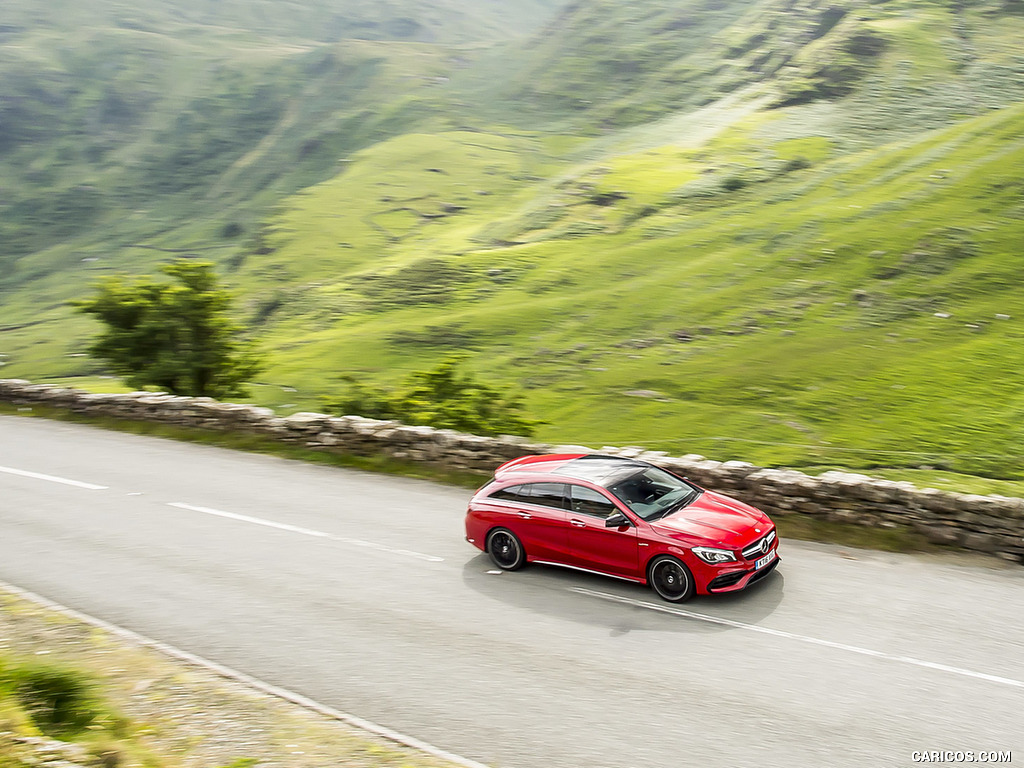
{"x": 359, "y": 591}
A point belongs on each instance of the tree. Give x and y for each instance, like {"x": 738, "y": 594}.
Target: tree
{"x": 442, "y": 398}
{"x": 177, "y": 336}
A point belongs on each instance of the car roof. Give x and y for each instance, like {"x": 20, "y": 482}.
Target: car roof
{"x": 595, "y": 468}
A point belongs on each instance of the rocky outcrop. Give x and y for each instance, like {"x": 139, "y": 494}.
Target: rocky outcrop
{"x": 992, "y": 524}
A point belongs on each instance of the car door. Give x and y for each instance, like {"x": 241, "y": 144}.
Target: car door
{"x": 592, "y": 544}
{"x": 536, "y": 513}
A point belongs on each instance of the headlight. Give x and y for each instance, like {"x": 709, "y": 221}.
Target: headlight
{"x": 710, "y": 555}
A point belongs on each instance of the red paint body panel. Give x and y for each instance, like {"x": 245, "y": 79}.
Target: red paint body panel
{"x": 543, "y": 531}
{"x": 545, "y": 463}
{"x": 715, "y": 518}
{"x": 609, "y": 550}
{"x": 565, "y": 537}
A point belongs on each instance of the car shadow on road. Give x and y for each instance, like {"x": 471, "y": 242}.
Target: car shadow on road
{"x": 619, "y": 605}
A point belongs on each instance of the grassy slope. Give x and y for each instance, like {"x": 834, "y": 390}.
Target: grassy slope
{"x": 810, "y": 300}
{"x": 159, "y": 112}
{"x": 129, "y": 128}
{"x": 443, "y": 21}
{"x": 764, "y": 281}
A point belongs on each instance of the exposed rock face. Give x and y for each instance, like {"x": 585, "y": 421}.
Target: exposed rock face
{"x": 993, "y": 524}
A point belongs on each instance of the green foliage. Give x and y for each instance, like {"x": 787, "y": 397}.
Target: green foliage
{"x": 61, "y": 701}
{"x": 175, "y": 336}
{"x": 441, "y": 397}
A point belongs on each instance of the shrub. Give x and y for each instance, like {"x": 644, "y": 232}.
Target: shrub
{"x": 176, "y": 336}
{"x": 442, "y": 398}
{"x": 60, "y": 700}
{"x": 734, "y": 183}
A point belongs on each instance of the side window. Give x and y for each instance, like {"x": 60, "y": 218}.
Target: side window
{"x": 512, "y": 493}
{"x": 589, "y": 502}
{"x": 548, "y": 494}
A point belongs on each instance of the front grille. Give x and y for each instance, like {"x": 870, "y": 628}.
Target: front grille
{"x": 759, "y": 548}
{"x": 726, "y": 580}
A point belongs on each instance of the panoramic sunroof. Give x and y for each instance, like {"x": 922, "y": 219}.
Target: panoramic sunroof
{"x": 602, "y": 470}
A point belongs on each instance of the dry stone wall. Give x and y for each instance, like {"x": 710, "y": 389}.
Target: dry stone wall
{"x": 992, "y": 524}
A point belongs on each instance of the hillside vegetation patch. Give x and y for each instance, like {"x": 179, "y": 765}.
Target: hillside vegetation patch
{"x": 814, "y": 207}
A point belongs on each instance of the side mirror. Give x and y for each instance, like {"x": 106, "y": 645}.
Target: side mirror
{"x": 616, "y": 520}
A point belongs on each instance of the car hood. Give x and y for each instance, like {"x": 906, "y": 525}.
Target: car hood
{"x": 715, "y": 518}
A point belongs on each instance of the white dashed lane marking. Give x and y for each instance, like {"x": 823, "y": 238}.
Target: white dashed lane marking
{"x": 800, "y": 638}
{"x": 53, "y": 479}
{"x": 307, "y": 532}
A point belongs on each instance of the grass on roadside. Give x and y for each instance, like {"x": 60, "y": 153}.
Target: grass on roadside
{"x": 896, "y": 539}
{"x": 60, "y": 701}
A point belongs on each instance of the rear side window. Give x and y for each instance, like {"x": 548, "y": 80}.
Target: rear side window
{"x": 589, "y": 502}
{"x": 548, "y": 494}
{"x": 512, "y": 493}
{"x": 544, "y": 494}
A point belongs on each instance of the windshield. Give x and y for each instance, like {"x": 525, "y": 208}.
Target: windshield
{"x": 653, "y": 493}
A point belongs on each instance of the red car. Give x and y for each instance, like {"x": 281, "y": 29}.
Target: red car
{"x": 624, "y": 518}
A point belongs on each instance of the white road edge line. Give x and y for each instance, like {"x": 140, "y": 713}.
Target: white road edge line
{"x": 231, "y": 674}
{"x": 306, "y": 531}
{"x": 802, "y": 638}
{"x": 53, "y": 479}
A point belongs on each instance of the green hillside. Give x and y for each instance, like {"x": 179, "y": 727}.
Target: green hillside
{"x": 156, "y": 111}
{"x": 782, "y": 231}
{"x": 856, "y": 303}
{"x": 440, "y": 21}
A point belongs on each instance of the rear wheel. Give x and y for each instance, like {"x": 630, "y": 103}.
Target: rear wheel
{"x": 670, "y": 579}
{"x": 505, "y": 549}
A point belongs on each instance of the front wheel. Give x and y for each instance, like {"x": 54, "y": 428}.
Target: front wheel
{"x": 670, "y": 579}
{"x": 505, "y": 549}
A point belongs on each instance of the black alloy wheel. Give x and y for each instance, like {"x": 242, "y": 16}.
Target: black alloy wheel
{"x": 670, "y": 579}
{"x": 505, "y": 549}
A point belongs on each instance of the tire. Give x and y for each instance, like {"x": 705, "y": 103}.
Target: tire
{"x": 670, "y": 579}
{"x": 505, "y": 549}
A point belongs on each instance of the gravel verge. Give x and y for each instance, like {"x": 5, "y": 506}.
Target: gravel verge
{"x": 185, "y": 715}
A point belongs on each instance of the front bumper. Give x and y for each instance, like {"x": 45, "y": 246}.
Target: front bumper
{"x": 734, "y": 581}
{"x": 735, "y": 576}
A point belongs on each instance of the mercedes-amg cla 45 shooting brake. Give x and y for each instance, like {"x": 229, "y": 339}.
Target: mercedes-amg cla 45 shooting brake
{"x": 624, "y": 518}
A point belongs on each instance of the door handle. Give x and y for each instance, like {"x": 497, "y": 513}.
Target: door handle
{"x": 525, "y": 515}
{"x": 578, "y": 523}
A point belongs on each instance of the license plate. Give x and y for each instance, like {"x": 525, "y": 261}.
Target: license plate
{"x": 765, "y": 560}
